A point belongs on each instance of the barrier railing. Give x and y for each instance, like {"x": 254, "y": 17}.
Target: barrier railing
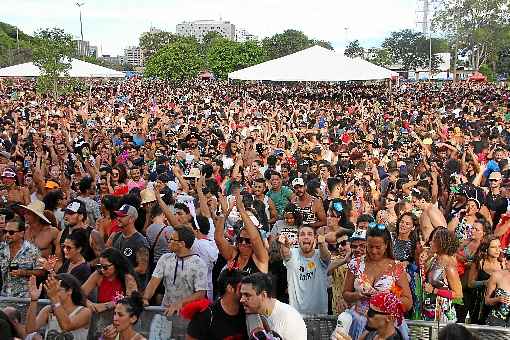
{"x": 320, "y": 327}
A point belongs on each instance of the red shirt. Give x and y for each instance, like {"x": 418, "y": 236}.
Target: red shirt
{"x": 109, "y": 289}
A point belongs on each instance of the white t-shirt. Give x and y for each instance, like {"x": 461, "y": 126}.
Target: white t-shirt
{"x": 287, "y": 322}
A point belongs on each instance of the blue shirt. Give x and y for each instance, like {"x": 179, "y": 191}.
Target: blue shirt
{"x": 308, "y": 282}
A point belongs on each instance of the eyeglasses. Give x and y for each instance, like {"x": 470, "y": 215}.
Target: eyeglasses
{"x": 377, "y": 225}
{"x": 244, "y": 240}
{"x": 372, "y": 312}
{"x": 100, "y": 266}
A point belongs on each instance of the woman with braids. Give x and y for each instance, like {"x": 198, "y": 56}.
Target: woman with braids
{"x": 486, "y": 263}
{"x": 127, "y": 312}
{"x": 442, "y": 283}
{"x": 373, "y": 273}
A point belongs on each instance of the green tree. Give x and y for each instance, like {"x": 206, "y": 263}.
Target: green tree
{"x": 10, "y": 54}
{"x": 477, "y": 29}
{"x": 381, "y": 57}
{"x": 179, "y": 60}
{"x": 52, "y": 53}
{"x": 224, "y": 56}
{"x": 411, "y": 49}
{"x": 322, "y": 43}
{"x": 354, "y": 49}
{"x": 150, "y": 43}
{"x": 282, "y": 44}
{"x": 486, "y": 70}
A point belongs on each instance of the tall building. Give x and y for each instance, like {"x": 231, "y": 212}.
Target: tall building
{"x": 82, "y": 47}
{"x": 93, "y": 52}
{"x": 242, "y": 35}
{"x": 133, "y": 56}
{"x": 199, "y": 28}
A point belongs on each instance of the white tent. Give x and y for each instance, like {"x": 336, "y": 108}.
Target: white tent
{"x": 79, "y": 69}
{"x": 313, "y": 64}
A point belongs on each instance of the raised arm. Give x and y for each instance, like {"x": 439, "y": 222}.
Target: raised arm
{"x": 259, "y": 249}
{"x": 226, "y": 250}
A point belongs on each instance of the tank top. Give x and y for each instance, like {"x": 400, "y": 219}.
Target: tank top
{"x": 109, "y": 289}
{"x": 250, "y": 267}
{"x": 307, "y": 212}
{"x": 53, "y": 330}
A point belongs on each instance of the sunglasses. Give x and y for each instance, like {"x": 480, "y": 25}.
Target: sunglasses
{"x": 68, "y": 248}
{"x": 10, "y": 232}
{"x": 244, "y": 240}
{"x": 372, "y": 312}
{"x": 342, "y": 243}
{"x": 100, "y": 267}
{"x": 377, "y": 225}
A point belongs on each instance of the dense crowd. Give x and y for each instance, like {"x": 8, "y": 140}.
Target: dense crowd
{"x": 243, "y": 207}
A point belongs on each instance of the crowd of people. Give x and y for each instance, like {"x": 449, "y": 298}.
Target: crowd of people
{"x": 244, "y": 207}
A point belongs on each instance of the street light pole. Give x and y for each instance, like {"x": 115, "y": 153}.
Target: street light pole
{"x": 80, "y": 4}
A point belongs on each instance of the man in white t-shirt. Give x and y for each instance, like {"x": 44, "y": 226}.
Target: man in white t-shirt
{"x": 282, "y": 318}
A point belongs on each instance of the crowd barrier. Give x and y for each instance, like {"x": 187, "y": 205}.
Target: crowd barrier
{"x": 319, "y": 327}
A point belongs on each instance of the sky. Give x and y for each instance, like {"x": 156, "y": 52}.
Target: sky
{"x": 113, "y": 25}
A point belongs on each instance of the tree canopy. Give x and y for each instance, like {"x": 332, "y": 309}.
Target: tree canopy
{"x": 354, "y": 49}
{"x": 52, "y": 53}
{"x": 179, "y": 60}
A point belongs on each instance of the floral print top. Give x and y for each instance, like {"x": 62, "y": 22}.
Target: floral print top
{"x": 26, "y": 258}
{"x": 386, "y": 282}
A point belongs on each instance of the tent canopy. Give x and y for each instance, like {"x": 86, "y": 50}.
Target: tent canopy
{"x": 477, "y": 76}
{"x": 314, "y": 64}
{"x": 79, "y": 69}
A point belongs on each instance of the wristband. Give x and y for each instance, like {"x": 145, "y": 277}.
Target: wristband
{"x": 448, "y": 294}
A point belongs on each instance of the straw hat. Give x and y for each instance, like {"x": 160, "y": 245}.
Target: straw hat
{"x": 37, "y": 207}
{"x": 147, "y": 196}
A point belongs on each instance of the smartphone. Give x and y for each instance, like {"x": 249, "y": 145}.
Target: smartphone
{"x": 26, "y": 163}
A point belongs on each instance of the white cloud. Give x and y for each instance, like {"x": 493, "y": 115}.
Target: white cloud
{"x": 115, "y": 24}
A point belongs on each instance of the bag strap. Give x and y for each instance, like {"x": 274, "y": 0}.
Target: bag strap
{"x": 156, "y": 239}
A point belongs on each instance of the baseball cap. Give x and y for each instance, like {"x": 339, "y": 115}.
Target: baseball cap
{"x": 127, "y": 210}
{"x": 359, "y": 234}
{"x": 51, "y": 185}
{"x": 76, "y": 206}
{"x": 298, "y": 181}
{"x": 8, "y": 173}
{"x": 495, "y": 175}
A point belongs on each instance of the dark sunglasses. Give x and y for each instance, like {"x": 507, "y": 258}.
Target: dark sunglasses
{"x": 100, "y": 266}
{"x": 10, "y": 232}
{"x": 244, "y": 240}
{"x": 372, "y": 312}
{"x": 342, "y": 243}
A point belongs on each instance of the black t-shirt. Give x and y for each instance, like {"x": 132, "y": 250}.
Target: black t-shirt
{"x": 215, "y": 324}
{"x": 80, "y": 272}
{"x": 130, "y": 246}
{"x": 498, "y": 205}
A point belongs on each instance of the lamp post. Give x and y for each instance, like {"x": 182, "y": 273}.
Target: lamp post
{"x": 80, "y": 4}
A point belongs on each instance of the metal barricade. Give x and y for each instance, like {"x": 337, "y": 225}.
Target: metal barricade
{"x": 319, "y": 327}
